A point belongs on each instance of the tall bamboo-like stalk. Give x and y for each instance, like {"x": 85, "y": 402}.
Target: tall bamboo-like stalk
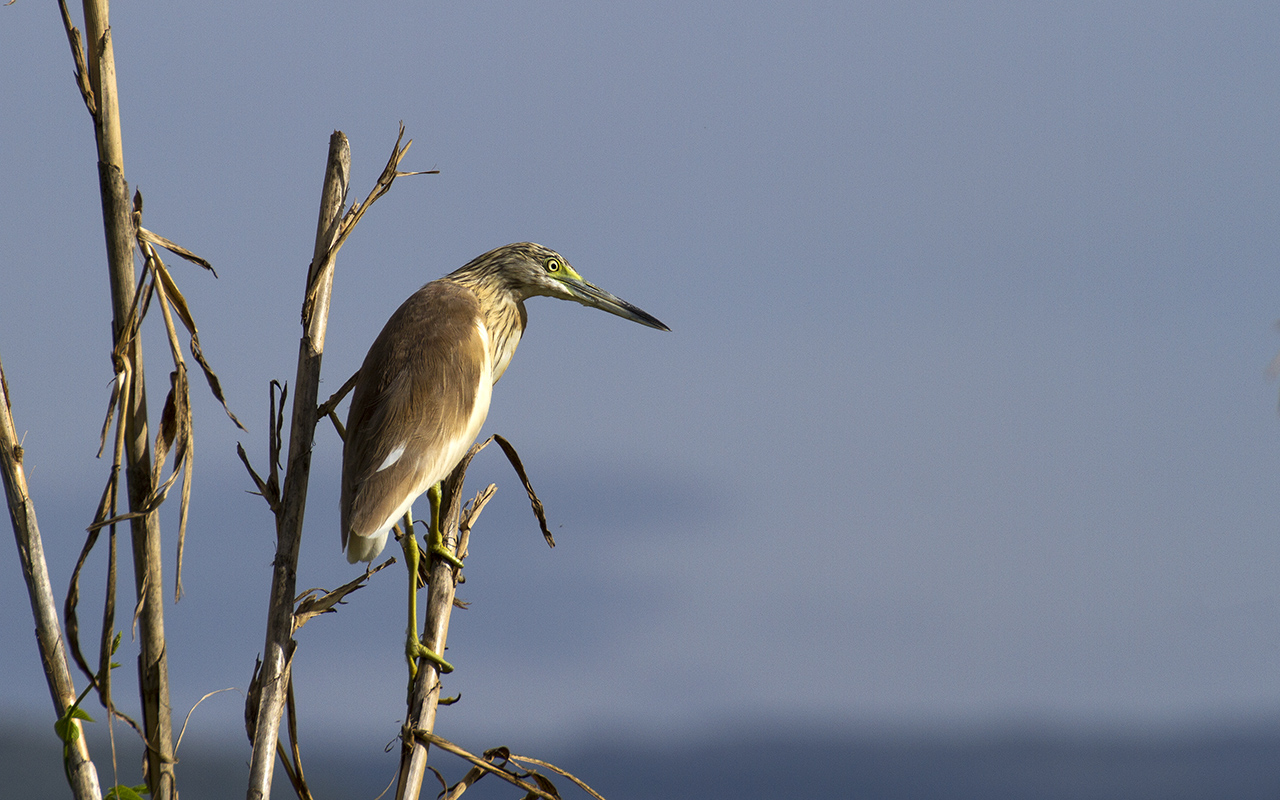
{"x": 278, "y": 651}
{"x": 271, "y": 685}
{"x": 153, "y": 669}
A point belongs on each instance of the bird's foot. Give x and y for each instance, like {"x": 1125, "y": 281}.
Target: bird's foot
{"x": 440, "y": 551}
{"x": 414, "y": 649}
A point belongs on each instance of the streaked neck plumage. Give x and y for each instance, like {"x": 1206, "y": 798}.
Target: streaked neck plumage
{"x": 504, "y": 317}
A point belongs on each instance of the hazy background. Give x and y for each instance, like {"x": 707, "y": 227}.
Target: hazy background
{"x": 962, "y": 422}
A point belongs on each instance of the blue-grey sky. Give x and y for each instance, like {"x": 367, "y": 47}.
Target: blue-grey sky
{"x": 962, "y": 418}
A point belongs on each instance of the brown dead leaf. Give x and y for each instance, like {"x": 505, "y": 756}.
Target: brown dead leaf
{"x": 538, "y": 511}
{"x": 177, "y": 249}
{"x": 315, "y": 602}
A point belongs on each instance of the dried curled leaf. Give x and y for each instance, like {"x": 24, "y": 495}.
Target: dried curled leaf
{"x": 177, "y": 249}
{"x": 111, "y": 409}
{"x": 167, "y": 431}
{"x": 315, "y": 602}
{"x": 538, "y": 511}
{"x": 215, "y": 385}
{"x": 270, "y": 492}
{"x": 174, "y": 295}
{"x": 77, "y": 53}
{"x": 454, "y": 481}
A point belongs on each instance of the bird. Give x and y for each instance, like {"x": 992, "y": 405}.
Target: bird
{"x": 423, "y": 391}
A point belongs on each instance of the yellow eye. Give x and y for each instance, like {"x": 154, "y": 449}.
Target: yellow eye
{"x": 553, "y": 265}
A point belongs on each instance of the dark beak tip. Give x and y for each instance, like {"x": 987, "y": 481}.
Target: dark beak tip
{"x": 650, "y": 320}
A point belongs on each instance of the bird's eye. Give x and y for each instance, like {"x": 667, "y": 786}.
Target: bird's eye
{"x": 553, "y": 265}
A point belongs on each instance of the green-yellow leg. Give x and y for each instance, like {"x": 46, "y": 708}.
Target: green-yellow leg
{"x": 413, "y": 647}
{"x": 435, "y": 539}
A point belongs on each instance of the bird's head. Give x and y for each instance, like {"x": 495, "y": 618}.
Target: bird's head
{"x": 526, "y": 269}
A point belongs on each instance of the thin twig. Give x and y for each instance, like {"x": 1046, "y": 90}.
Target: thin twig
{"x": 329, "y": 405}
{"x": 480, "y": 763}
{"x": 299, "y": 778}
{"x": 580, "y": 784}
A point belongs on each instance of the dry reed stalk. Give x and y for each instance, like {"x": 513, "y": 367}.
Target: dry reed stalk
{"x": 273, "y": 680}
{"x": 269, "y": 691}
{"x": 81, "y": 772}
{"x": 442, "y": 584}
{"x": 117, "y": 215}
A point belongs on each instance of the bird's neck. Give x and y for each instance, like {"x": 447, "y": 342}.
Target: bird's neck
{"x": 504, "y": 318}
{"x": 503, "y": 311}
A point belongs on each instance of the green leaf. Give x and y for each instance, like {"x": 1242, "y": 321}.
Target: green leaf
{"x": 127, "y": 792}
{"x": 66, "y": 730}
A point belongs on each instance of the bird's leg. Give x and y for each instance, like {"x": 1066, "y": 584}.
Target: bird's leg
{"x": 413, "y": 647}
{"x": 435, "y": 537}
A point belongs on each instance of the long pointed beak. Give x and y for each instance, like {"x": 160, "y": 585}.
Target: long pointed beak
{"x": 591, "y": 295}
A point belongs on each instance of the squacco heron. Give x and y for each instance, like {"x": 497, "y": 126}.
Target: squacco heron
{"x": 423, "y": 393}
